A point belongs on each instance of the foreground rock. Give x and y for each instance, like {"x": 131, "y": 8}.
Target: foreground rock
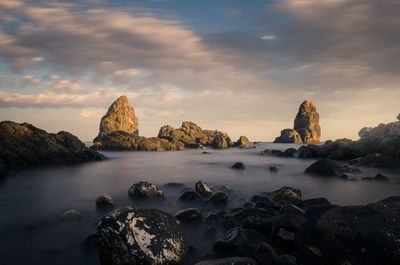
{"x": 229, "y": 261}
{"x": 140, "y": 236}
{"x": 24, "y": 145}
{"x": 306, "y": 126}
{"x": 192, "y": 136}
{"x": 325, "y": 168}
{"x": 351, "y": 235}
{"x": 145, "y": 190}
{"x": 119, "y": 117}
{"x": 105, "y": 200}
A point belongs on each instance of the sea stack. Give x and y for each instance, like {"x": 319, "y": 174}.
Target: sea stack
{"x": 306, "y": 126}
{"x": 119, "y": 117}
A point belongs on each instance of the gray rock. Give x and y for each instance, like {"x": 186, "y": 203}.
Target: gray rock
{"x": 105, "y": 200}
{"x": 325, "y": 168}
{"x": 204, "y": 189}
{"x": 145, "y": 190}
{"x": 71, "y": 215}
{"x": 140, "y": 236}
{"x": 190, "y": 215}
{"x": 238, "y": 165}
{"x": 218, "y": 198}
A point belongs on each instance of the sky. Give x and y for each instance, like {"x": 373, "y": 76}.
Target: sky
{"x": 242, "y": 67}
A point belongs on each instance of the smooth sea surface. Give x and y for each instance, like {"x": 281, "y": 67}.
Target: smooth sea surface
{"x": 32, "y": 200}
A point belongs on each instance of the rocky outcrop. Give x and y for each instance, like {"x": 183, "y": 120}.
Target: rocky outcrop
{"x": 119, "y": 117}
{"x": 306, "y": 126}
{"x": 289, "y": 136}
{"x": 140, "y": 236}
{"x": 351, "y": 235}
{"x": 24, "y": 145}
{"x": 124, "y": 141}
{"x": 243, "y": 142}
{"x": 192, "y": 136}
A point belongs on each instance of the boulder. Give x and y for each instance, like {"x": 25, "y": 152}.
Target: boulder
{"x": 23, "y": 145}
{"x": 119, "y": 117}
{"x": 235, "y": 243}
{"x": 265, "y": 254}
{"x": 204, "y": 189}
{"x": 105, "y": 200}
{"x": 274, "y": 168}
{"x": 287, "y": 195}
{"x": 351, "y": 235}
{"x": 229, "y": 261}
{"x": 289, "y": 136}
{"x": 238, "y": 165}
{"x": 218, "y": 199}
{"x": 145, "y": 190}
{"x": 243, "y": 142}
{"x": 140, "y": 236}
{"x": 325, "y": 168}
{"x": 190, "y": 196}
{"x": 190, "y": 215}
{"x": 71, "y": 215}
{"x": 287, "y": 260}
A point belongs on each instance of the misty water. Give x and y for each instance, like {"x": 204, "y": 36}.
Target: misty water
{"x": 32, "y": 200}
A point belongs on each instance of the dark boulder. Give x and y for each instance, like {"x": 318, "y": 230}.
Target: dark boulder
{"x": 274, "y": 169}
{"x": 190, "y": 215}
{"x": 105, "y": 200}
{"x": 287, "y": 260}
{"x": 265, "y": 254}
{"x": 287, "y": 195}
{"x": 204, "y": 189}
{"x": 238, "y": 165}
{"x": 190, "y": 196}
{"x": 312, "y": 202}
{"x": 235, "y": 243}
{"x": 145, "y": 190}
{"x": 140, "y": 236}
{"x": 352, "y": 235}
{"x": 229, "y": 261}
{"x": 325, "y": 168}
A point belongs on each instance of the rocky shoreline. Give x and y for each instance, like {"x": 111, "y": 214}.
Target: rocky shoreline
{"x": 23, "y": 145}
{"x": 271, "y": 228}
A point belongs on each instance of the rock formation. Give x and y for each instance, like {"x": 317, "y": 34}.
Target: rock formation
{"x": 119, "y": 131}
{"x": 192, "y": 136}
{"x": 24, "y": 145}
{"x": 119, "y": 117}
{"x": 306, "y": 126}
{"x": 243, "y": 142}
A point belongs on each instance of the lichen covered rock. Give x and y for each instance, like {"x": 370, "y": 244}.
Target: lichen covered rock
{"x": 140, "y": 236}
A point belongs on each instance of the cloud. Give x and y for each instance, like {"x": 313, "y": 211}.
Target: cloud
{"x": 95, "y": 113}
{"x": 268, "y": 37}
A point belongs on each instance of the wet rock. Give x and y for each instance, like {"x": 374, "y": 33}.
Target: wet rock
{"x": 287, "y": 195}
{"x": 271, "y": 152}
{"x": 212, "y": 218}
{"x": 211, "y": 232}
{"x": 238, "y": 165}
{"x": 287, "y": 260}
{"x": 242, "y": 142}
{"x": 90, "y": 243}
{"x": 284, "y": 241}
{"x": 353, "y": 234}
{"x": 252, "y": 214}
{"x": 289, "y": 136}
{"x": 249, "y": 205}
{"x": 289, "y": 152}
{"x": 218, "y": 199}
{"x": 265, "y": 254}
{"x": 204, "y": 189}
{"x": 228, "y": 222}
{"x": 235, "y": 243}
{"x": 380, "y": 177}
{"x": 312, "y": 202}
{"x": 309, "y": 151}
{"x": 190, "y": 215}
{"x": 274, "y": 169}
{"x": 23, "y": 145}
{"x": 174, "y": 186}
{"x": 140, "y": 236}
{"x": 105, "y": 200}
{"x": 145, "y": 190}
{"x": 190, "y": 196}
{"x": 71, "y": 215}
{"x": 229, "y": 261}
{"x": 325, "y": 168}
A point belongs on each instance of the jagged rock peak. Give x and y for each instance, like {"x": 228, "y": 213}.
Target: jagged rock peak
{"x": 119, "y": 117}
{"x": 307, "y": 123}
